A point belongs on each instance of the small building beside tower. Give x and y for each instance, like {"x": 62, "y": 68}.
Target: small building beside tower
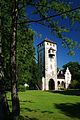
{"x": 47, "y": 61}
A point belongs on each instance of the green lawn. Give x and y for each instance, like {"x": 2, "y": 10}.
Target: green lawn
{"x": 42, "y": 105}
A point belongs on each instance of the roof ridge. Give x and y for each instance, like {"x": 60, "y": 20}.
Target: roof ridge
{"x": 47, "y": 40}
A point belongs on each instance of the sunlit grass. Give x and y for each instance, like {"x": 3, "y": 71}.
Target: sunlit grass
{"x": 42, "y": 105}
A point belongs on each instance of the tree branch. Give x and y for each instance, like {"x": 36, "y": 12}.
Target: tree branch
{"x": 52, "y": 16}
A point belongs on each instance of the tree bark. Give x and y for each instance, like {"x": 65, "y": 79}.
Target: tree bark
{"x": 14, "y": 90}
{"x": 4, "y": 108}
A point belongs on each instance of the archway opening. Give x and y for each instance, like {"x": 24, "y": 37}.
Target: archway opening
{"x": 62, "y": 84}
{"x": 58, "y": 83}
{"x": 51, "y": 84}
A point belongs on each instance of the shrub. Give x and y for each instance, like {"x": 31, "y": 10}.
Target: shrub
{"x": 75, "y": 84}
{"x": 21, "y": 88}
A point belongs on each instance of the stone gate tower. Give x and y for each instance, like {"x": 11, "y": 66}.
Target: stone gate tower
{"x": 48, "y": 64}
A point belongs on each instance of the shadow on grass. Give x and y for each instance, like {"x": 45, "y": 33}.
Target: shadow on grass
{"x": 69, "y": 109}
{"x": 26, "y": 101}
{"x": 68, "y": 92}
{"x": 37, "y": 110}
{"x": 30, "y": 110}
{"x": 26, "y": 118}
{"x": 49, "y": 112}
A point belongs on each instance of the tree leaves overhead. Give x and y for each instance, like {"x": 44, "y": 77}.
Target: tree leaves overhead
{"x": 51, "y": 13}
{"x": 47, "y": 12}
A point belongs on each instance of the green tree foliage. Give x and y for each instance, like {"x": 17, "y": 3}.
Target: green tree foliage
{"x": 75, "y": 84}
{"x": 52, "y": 14}
{"x": 25, "y": 50}
{"x": 25, "y": 55}
{"x": 5, "y": 38}
{"x": 45, "y": 11}
{"x": 35, "y": 81}
{"x": 27, "y": 68}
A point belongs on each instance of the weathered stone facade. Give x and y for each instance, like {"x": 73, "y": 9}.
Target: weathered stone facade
{"x": 48, "y": 66}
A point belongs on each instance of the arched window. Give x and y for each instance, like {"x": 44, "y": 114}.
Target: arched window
{"x": 58, "y": 83}
{"x": 51, "y": 84}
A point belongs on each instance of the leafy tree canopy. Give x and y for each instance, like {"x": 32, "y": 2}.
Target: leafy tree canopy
{"x": 25, "y": 53}
{"x": 51, "y": 14}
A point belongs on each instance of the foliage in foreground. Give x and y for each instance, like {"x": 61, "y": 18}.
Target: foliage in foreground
{"x": 25, "y": 51}
{"x": 15, "y": 9}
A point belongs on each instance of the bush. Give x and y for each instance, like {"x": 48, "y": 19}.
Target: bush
{"x": 75, "y": 84}
{"x": 21, "y": 88}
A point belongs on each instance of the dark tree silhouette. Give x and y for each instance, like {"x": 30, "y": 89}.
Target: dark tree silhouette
{"x": 14, "y": 92}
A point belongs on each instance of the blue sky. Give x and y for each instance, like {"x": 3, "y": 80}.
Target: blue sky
{"x": 44, "y": 32}
{"x": 62, "y": 57}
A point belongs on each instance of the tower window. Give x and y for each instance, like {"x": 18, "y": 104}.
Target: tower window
{"x": 51, "y": 52}
{"x": 50, "y": 44}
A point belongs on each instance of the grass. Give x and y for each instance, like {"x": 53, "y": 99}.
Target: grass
{"x": 42, "y": 105}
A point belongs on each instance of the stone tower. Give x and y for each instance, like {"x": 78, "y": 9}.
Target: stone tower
{"x": 48, "y": 64}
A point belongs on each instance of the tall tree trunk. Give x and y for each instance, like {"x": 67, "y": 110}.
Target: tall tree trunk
{"x": 14, "y": 91}
{"x": 4, "y": 108}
